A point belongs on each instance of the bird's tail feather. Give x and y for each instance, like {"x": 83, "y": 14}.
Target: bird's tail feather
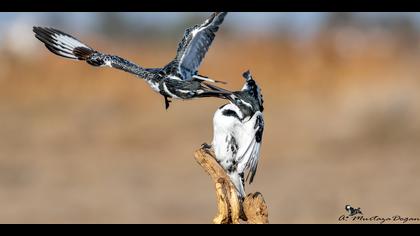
{"x": 63, "y": 44}
{"x": 239, "y": 185}
{"x": 83, "y": 53}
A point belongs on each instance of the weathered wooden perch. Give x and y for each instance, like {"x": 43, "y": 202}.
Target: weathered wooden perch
{"x": 230, "y": 209}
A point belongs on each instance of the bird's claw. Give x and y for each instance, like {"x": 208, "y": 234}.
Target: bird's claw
{"x": 206, "y": 146}
{"x": 167, "y": 101}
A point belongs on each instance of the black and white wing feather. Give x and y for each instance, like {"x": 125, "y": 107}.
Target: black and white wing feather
{"x": 252, "y": 163}
{"x": 65, "y": 45}
{"x": 195, "y": 44}
{"x": 248, "y": 154}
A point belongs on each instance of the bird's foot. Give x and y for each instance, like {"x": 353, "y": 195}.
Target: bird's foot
{"x": 167, "y": 101}
{"x": 206, "y": 146}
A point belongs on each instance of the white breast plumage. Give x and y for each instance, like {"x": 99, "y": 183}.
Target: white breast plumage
{"x": 154, "y": 85}
{"x": 234, "y": 142}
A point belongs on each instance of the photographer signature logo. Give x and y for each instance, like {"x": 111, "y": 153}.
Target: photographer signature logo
{"x": 353, "y": 211}
{"x": 355, "y": 215}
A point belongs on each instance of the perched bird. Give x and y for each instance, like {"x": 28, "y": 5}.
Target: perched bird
{"x": 353, "y": 211}
{"x": 178, "y": 79}
{"x": 238, "y": 129}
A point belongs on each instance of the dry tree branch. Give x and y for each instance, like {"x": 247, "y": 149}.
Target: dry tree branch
{"x": 253, "y": 209}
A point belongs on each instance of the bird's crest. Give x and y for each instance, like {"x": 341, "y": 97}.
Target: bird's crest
{"x": 252, "y": 88}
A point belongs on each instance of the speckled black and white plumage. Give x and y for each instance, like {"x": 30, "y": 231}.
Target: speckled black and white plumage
{"x": 238, "y": 130}
{"x": 178, "y": 79}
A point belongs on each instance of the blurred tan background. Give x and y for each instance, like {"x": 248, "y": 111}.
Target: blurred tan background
{"x": 80, "y": 144}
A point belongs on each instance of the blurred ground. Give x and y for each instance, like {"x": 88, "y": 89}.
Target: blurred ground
{"x": 85, "y": 145}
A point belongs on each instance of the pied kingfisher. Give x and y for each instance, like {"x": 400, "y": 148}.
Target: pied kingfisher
{"x": 178, "y": 79}
{"x": 238, "y": 129}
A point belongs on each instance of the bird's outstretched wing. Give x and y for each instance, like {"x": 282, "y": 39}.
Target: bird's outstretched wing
{"x": 65, "y": 45}
{"x": 195, "y": 44}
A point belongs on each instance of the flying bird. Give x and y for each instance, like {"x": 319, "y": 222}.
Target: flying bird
{"x": 179, "y": 79}
{"x": 237, "y": 133}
